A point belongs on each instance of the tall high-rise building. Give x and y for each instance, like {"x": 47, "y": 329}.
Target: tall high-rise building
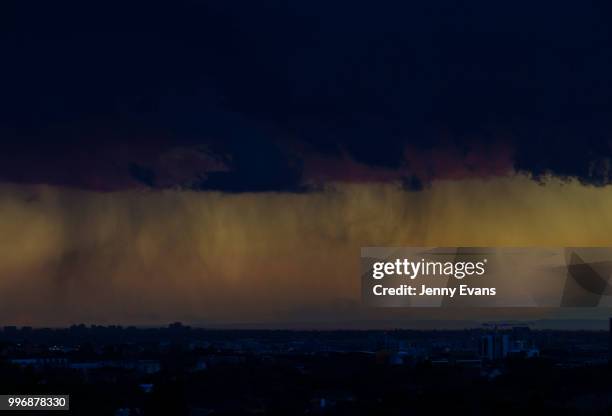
{"x": 495, "y": 346}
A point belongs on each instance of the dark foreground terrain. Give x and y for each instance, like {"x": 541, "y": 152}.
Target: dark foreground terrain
{"x": 183, "y": 371}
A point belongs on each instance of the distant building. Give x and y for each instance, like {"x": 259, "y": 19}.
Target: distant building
{"x": 523, "y": 349}
{"x": 517, "y": 343}
{"x": 41, "y": 362}
{"x": 11, "y": 331}
{"x": 88, "y": 366}
{"x": 521, "y": 333}
{"x": 494, "y": 346}
{"x": 142, "y": 366}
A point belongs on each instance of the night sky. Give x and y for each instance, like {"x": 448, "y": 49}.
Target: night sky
{"x": 223, "y": 161}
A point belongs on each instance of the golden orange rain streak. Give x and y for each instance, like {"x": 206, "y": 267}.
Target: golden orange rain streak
{"x": 151, "y": 257}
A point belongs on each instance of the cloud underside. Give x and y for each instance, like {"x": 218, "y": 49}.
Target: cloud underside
{"x": 245, "y": 165}
{"x": 248, "y": 97}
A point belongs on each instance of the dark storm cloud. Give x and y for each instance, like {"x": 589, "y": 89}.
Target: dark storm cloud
{"x": 259, "y": 96}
